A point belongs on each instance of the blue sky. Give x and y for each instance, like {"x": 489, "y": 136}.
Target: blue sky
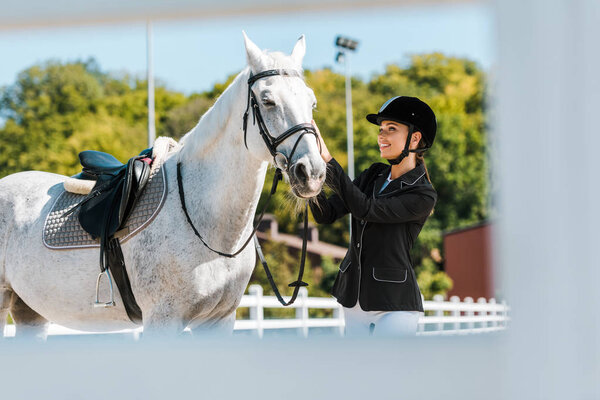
{"x": 192, "y": 55}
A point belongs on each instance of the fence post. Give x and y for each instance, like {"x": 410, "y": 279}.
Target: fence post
{"x": 302, "y": 311}
{"x": 338, "y": 313}
{"x": 257, "y": 311}
{"x": 504, "y": 314}
{"x": 438, "y": 298}
{"x": 422, "y": 320}
{"x": 482, "y": 312}
{"x": 469, "y": 313}
{"x": 494, "y": 313}
{"x": 455, "y": 300}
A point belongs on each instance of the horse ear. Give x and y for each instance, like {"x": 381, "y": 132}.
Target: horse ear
{"x": 253, "y": 53}
{"x": 299, "y": 50}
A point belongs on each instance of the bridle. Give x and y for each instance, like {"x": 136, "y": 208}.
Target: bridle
{"x": 273, "y": 142}
{"x": 281, "y": 161}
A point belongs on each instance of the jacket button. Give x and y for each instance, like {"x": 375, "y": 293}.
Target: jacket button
{"x": 358, "y": 245}
{"x": 362, "y": 222}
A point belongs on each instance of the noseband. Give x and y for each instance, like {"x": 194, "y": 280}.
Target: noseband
{"x": 280, "y": 161}
{"x": 273, "y": 142}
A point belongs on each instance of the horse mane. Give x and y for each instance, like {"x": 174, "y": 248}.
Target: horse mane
{"x": 200, "y": 138}
{"x": 209, "y": 128}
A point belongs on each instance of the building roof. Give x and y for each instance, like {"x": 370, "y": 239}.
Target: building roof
{"x": 477, "y": 225}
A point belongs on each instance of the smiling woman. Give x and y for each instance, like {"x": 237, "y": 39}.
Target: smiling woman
{"x": 376, "y": 282}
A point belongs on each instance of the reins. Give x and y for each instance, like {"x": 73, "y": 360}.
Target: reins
{"x": 276, "y": 179}
{"x": 280, "y": 160}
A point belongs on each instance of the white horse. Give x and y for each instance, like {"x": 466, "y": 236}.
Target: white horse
{"x": 177, "y": 282}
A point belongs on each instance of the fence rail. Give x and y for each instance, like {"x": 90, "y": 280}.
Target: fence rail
{"x": 441, "y": 317}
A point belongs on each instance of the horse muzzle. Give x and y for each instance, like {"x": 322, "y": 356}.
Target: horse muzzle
{"x": 307, "y": 177}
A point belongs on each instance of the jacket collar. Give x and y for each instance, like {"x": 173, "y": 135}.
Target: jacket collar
{"x": 408, "y": 178}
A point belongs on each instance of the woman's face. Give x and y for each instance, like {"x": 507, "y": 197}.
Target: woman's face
{"x": 391, "y": 139}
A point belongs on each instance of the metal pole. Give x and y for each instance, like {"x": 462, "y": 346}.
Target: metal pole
{"x": 349, "y": 128}
{"x": 150, "y": 78}
{"x": 349, "y": 123}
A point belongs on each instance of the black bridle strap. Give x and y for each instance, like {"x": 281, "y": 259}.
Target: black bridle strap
{"x": 273, "y": 72}
{"x": 276, "y": 179}
{"x": 272, "y": 143}
{"x": 297, "y": 284}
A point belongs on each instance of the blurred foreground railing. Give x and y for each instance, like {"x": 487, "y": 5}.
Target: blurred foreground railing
{"x": 441, "y": 317}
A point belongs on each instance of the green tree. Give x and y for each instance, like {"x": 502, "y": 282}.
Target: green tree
{"x": 53, "y": 111}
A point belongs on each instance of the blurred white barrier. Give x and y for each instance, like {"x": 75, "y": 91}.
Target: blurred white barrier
{"x": 442, "y": 317}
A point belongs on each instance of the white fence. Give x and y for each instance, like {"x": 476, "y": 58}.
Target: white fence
{"x": 441, "y": 317}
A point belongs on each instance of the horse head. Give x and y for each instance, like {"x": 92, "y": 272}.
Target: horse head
{"x": 278, "y": 117}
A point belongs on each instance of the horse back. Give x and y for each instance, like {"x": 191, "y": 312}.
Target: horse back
{"x": 26, "y": 197}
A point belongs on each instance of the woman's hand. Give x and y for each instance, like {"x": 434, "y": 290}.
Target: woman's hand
{"x": 324, "y": 151}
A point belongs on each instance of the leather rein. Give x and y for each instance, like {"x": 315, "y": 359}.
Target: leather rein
{"x": 281, "y": 161}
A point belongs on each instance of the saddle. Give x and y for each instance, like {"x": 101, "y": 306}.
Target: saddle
{"x": 117, "y": 188}
{"x": 104, "y": 211}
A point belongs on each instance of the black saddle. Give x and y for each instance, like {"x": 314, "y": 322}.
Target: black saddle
{"x": 105, "y": 210}
{"x": 96, "y": 163}
{"x": 118, "y": 186}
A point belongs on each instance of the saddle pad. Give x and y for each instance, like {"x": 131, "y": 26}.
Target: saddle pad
{"x": 66, "y": 232}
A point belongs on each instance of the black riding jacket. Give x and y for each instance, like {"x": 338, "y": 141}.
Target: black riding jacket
{"x": 377, "y": 267}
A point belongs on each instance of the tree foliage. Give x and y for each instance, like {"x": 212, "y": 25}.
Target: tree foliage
{"x": 53, "y": 111}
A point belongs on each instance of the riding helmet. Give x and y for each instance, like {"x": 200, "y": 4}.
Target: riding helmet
{"x": 408, "y": 111}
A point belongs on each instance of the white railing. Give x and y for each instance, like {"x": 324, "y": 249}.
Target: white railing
{"x": 441, "y": 317}
{"x": 456, "y": 317}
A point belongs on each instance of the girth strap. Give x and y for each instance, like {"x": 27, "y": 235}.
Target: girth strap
{"x": 116, "y": 264}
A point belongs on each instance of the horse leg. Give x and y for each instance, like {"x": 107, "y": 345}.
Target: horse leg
{"x": 162, "y": 323}
{"x": 5, "y": 296}
{"x": 222, "y": 327}
{"x": 28, "y": 323}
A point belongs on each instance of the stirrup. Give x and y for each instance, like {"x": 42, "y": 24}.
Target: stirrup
{"x": 98, "y": 303}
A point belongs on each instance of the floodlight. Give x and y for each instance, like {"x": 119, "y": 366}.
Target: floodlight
{"x": 346, "y": 43}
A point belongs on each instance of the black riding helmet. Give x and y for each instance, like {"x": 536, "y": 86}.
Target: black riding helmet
{"x": 413, "y": 113}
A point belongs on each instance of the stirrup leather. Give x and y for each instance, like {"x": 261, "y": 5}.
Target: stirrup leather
{"x": 98, "y": 303}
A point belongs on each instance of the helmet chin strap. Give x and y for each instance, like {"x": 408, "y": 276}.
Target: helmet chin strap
{"x": 406, "y": 151}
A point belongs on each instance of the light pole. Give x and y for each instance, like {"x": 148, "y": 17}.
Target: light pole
{"x": 150, "y": 79}
{"x": 345, "y": 45}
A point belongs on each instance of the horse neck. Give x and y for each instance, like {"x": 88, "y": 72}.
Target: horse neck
{"x": 221, "y": 179}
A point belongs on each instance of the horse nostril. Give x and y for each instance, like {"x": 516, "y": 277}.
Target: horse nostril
{"x": 301, "y": 173}
{"x": 321, "y": 176}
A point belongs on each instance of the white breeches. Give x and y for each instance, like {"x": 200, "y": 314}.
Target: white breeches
{"x": 386, "y": 323}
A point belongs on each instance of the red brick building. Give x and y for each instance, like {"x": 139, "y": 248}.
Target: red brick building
{"x": 468, "y": 261}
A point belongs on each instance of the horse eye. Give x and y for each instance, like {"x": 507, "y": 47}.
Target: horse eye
{"x": 268, "y": 102}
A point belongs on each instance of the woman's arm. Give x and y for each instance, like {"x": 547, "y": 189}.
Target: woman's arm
{"x": 324, "y": 210}
{"x": 404, "y": 208}
{"x": 349, "y": 198}
{"x": 327, "y": 210}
